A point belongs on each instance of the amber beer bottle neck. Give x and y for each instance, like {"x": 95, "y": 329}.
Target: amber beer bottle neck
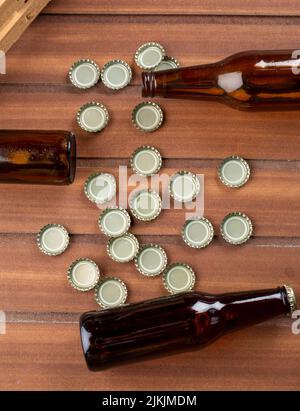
{"x": 250, "y": 80}
{"x": 247, "y": 308}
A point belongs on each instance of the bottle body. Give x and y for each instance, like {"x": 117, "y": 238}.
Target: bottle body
{"x": 172, "y": 324}
{"x": 250, "y": 80}
{"x": 37, "y": 157}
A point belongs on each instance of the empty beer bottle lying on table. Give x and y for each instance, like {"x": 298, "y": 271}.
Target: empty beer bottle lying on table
{"x": 180, "y": 322}
{"x": 250, "y": 80}
{"x": 37, "y": 157}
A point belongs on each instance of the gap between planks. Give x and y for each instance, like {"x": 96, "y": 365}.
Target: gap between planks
{"x": 17, "y": 317}
{"x": 257, "y": 242}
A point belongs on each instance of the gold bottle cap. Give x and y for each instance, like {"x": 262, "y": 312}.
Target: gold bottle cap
{"x": 234, "y": 171}
{"x": 198, "y": 232}
{"x": 151, "y": 260}
{"x": 111, "y": 292}
{"x": 84, "y": 73}
{"x": 92, "y": 117}
{"x": 236, "y": 228}
{"x": 146, "y": 161}
{"x": 147, "y": 116}
{"x": 124, "y": 248}
{"x": 184, "y": 186}
{"x": 114, "y": 221}
{"x": 167, "y": 63}
{"x": 116, "y": 74}
{"x": 145, "y": 205}
{"x": 291, "y": 297}
{"x": 53, "y": 239}
{"x": 100, "y": 187}
{"x": 178, "y": 278}
{"x": 83, "y": 274}
{"x": 149, "y": 55}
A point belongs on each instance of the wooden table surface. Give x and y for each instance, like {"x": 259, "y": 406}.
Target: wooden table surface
{"x": 41, "y": 347}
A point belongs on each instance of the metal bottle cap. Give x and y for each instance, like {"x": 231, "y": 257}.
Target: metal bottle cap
{"x": 291, "y": 297}
{"x": 145, "y": 205}
{"x": 198, "y": 232}
{"x": 149, "y": 55}
{"x": 100, "y": 187}
{"x": 116, "y": 74}
{"x": 146, "y": 161}
{"x": 53, "y": 239}
{"x": 83, "y": 274}
{"x": 92, "y": 117}
{"x": 184, "y": 186}
{"x": 178, "y": 277}
{"x": 147, "y": 116}
{"x": 114, "y": 221}
{"x": 167, "y": 63}
{"x": 236, "y": 228}
{"x": 124, "y": 248}
{"x": 234, "y": 171}
{"x": 151, "y": 260}
{"x": 84, "y": 73}
{"x": 111, "y": 292}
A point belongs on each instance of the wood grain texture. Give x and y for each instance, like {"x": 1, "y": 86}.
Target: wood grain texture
{"x": 16, "y": 16}
{"x": 41, "y": 349}
{"x": 214, "y": 7}
{"x": 218, "y": 268}
{"x": 264, "y": 198}
{"x": 212, "y": 130}
{"x": 242, "y": 361}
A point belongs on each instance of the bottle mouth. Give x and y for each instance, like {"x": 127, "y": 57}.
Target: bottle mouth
{"x": 72, "y": 157}
{"x": 291, "y": 297}
{"x": 148, "y": 84}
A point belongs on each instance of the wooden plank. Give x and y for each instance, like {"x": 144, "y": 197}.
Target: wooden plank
{"x": 33, "y": 282}
{"x": 19, "y": 211}
{"x": 240, "y": 360}
{"x": 53, "y": 43}
{"x": 15, "y": 18}
{"x": 191, "y": 130}
{"x": 230, "y": 7}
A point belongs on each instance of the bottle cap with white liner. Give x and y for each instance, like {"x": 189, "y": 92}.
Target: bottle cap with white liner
{"x": 100, "y": 187}
{"x": 111, "y": 292}
{"x": 124, "y": 248}
{"x": 146, "y": 161}
{"x": 53, "y": 239}
{"x": 145, "y": 204}
{"x": 178, "y": 278}
{"x": 116, "y": 74}
{"x": 198, "y": 232}
{"x": 93, "y": 117}
{"x": 236, "y": 228}
{"x": 147, "y": 116}
{"x": 234, "y": 171}
{"x": 83, "y": 274}
{"x": 151, "y": 260}
{"x": 167, "y": 63}
{"x": 184, "y": 186}
{"x": 149, "y": 55}
{"x": 84, "y": 73}
{"x": 114, "y": 221}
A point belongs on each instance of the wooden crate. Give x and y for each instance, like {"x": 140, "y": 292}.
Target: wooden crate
{"x": 15, "y": 17}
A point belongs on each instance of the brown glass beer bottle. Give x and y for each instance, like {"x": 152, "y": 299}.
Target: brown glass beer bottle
{"x": 175, "y": 323}
{"x": 37, "y": 157}
{"x": 250, "y": 80}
